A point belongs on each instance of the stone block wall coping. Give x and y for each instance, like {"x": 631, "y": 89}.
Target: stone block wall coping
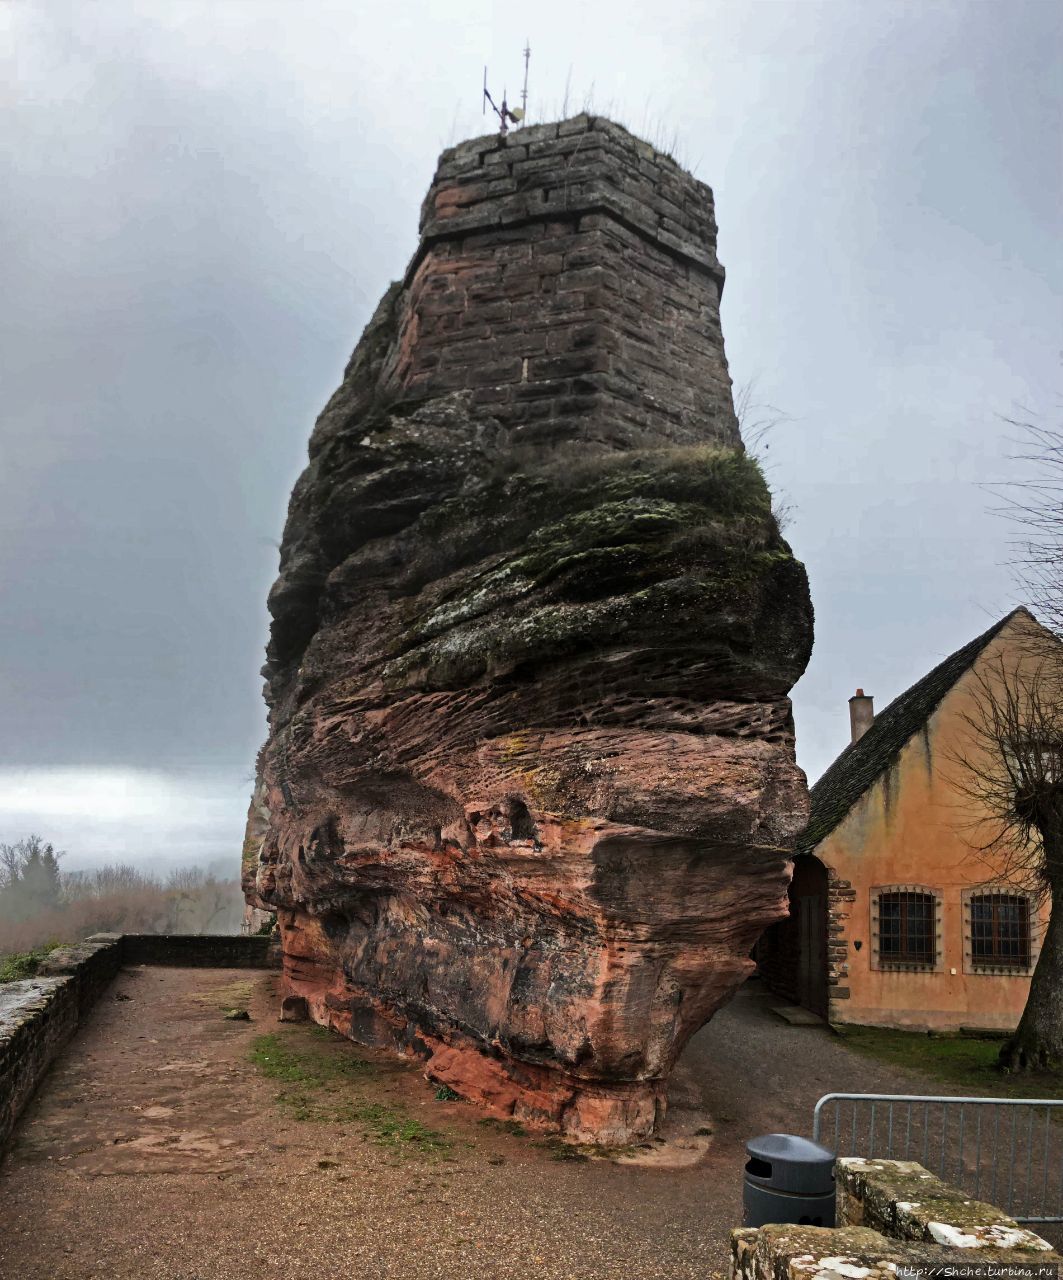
{"x": 69, "y": 960}
{"x": 902, "y": 1200}
{"x": 790, "y": 1252}
{"x": 21, "y": 1001}
{"x": 890, "y": 1213}
{"x": 470, "y": 152}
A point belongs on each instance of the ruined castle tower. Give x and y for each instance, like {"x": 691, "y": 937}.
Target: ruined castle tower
{"x": 529, "y": 788}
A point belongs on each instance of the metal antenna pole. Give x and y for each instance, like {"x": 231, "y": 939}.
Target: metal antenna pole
{"x": 524, "y": 91}
{"x": 505, "y": 115}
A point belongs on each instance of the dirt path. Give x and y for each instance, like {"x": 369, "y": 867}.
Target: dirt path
{"x": 158, "y": 1150}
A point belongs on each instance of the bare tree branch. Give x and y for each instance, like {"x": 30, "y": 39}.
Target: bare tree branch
{"x": 1011, "y": 772}
{"x": 1035, "y": 506}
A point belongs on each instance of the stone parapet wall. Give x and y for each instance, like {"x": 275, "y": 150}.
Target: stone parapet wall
{"x": 91, "y": 965}
{"x": 791, "y": 1252}
{"x": 903, "y": 1200}
{"x": 891, "y": 1214}
{"x": 581, "y": 164}
{"x": 39, "y": 1015}
{"x": 200, "y": 950}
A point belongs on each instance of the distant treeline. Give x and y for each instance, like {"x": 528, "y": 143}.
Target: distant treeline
{"x": 40, "y": 904}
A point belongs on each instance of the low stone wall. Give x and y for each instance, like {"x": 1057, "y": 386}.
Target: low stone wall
{"x": 200, "y": 950}
{"x": 902, "y": 1200}
{"x": 90, "y": 965}
{"x": 39, "y": 1015}
{"x": 891, "y": 1214}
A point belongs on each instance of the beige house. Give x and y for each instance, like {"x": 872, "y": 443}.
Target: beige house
{"x": 896, "y": 918}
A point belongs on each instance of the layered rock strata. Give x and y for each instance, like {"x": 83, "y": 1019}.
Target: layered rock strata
{"x": 529, "y": 789}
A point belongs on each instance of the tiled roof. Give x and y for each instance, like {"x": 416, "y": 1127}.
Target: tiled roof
{"x": 864, "y": 761}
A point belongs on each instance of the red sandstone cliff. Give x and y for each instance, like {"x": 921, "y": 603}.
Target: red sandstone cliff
{"x": 530, "y": 788}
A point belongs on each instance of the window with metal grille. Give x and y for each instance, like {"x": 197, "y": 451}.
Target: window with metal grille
{"x": 906, "y": 928}
{"x": 1000, "y": 929}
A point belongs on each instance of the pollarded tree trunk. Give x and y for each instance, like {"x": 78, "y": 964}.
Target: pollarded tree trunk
{"x": 1037, "y": 1044}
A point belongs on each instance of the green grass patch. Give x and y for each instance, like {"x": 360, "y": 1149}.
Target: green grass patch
{"x": 24, "y": 964}
{"x": 513, "y": 1127}
{"x": 280, "y": 1058}
{"x": 392, "y": 1126}
{"x": 318, "y": 1082}
{"x": 968, "y": 1063}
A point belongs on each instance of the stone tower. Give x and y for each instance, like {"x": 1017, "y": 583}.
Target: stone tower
{"x": 567, "y": 276}
{"x": 529, "y": 789}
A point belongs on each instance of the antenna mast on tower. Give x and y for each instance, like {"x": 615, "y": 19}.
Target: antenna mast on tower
{"x": 524, "y": 91}
{"x": 506, "y": 114}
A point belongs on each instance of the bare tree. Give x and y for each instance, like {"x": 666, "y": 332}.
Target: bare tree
{"x": 29, "y": 878}
{"x": 216, "y": 903}
{"x": 1035, "y": 505}
{"x": 11, "y": 862}
{"x": 107, "y": 881}
{"x": 1012, "y": 769}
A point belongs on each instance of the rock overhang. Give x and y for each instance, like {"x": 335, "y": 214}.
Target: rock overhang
{"x": 529, "y": 790}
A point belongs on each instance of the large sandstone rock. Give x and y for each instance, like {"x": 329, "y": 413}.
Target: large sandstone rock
{"x": 529, "y": 789}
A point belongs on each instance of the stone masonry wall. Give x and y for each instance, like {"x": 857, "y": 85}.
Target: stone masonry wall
{"x": 891, "y": 1214}
{"x": 840, "y": 898}
{"x": 567, "y": 273}
{"x": 904, "y": 1201}
{"x": 91, "y": 964}
{"x": 39, "y": 1015}
{"x": 200, "y": 950}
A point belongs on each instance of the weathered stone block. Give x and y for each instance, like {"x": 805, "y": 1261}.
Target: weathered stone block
{"x": 793, "y": 1252}
{"x": 903, "y": 1200}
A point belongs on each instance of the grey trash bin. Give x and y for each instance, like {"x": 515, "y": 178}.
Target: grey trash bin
{"x": 788, "y": 1179}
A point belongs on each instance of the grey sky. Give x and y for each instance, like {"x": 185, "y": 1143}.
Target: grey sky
{"x": 202, "y": 203}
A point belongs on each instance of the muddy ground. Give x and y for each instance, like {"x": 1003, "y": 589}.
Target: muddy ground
{"x": 170, "y": 1143}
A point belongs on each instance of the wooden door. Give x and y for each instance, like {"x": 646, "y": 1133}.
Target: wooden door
{"x": 808, "y": 896}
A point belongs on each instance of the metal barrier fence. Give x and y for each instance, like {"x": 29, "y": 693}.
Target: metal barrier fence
{"x": 1007, "y": 1151}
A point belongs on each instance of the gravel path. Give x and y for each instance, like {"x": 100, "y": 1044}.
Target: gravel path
{"x": 157, "y": 1151}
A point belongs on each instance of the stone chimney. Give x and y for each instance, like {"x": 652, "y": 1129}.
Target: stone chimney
{"x": 861, "y": 713}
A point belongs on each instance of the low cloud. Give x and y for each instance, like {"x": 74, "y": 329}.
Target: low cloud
{"x": 149, "y": 818}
